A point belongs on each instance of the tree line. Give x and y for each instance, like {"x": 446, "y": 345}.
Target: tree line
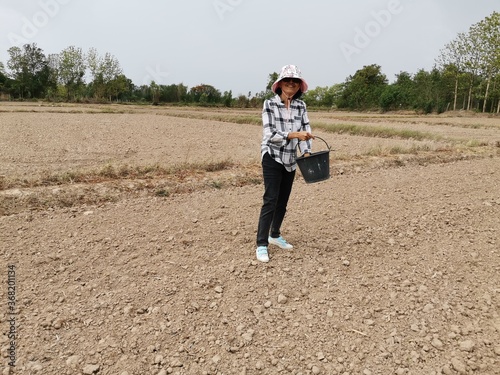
{"x": 466, "y": 76}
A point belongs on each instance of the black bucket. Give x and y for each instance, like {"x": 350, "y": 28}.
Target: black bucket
{"x": 316, "y": 166}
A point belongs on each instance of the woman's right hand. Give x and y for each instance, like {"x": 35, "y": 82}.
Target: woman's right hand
{"x": 302, "y": 136}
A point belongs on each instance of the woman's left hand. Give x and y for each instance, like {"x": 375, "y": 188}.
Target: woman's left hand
{"x": 302, "y": 136}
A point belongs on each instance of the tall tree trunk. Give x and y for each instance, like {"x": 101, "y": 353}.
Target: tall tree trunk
{"x": 469, "y": 97}
{"x": 492, "y": 109}
{"x": 493, "y": 100}
{"x": 486, "y": 94}
{"x": 469, "y": 100}
{"x": 456, "y": 94}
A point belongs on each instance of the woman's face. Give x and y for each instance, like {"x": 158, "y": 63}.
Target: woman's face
{"x": 290, "y": 86}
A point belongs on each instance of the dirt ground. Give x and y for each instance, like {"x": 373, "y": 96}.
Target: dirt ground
{"x": 395, "y": 267}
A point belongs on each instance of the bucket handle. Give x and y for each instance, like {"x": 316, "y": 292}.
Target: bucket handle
{"x": 329, "y": 147}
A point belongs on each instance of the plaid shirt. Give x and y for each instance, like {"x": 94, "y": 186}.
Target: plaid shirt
{"x": 278, "y": 121}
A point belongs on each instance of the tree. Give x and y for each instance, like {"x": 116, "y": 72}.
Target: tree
{"x": 495, "y": 94}
{"x": 103, "y": 70}
{"x": 242, "y": 101}
{"x": 452, "y": 59}
{"x": 120, "y": 87}
{"x": 362, "y": 91}
{"x": 110, "y": 67}
{"x": 205, "y": 94}
{"x": 272, "y": 77}
{"x": 227, "y": 98}
{"x": 488, "y": 31}
{"x": 406, "y": 89}
{"x": 323, "y": 96}
{"x": 19, "y": 70}
{"x": 3, "y": 77}
{"x": 173, "y": 93}
{"x": 474, "y": 57}
{"x": 71, "y": 70}
{"x": 472, "y": 61}
{"x": 54, "y": 91}
{"x": 155, "y": 92}
{"x": 93, "y": 63}
{"x": 453, "y": 84}
{"x": 30, "y": 71}
{"x": 426, "y": 90}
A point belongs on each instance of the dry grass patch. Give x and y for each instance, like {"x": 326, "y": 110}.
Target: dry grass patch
{"x": 113, "y": 183}
{"x": 110, "y": 172}
{"x": 221, "y": 117}
{"x": 345, "y": 128}
{"x": 399, "y": 150}
{"x": 377, "y": 131}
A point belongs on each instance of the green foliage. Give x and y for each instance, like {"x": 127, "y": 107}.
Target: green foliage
{"x": 323, "y": 96}
{"x": 3, "y": 79}
{"x": 399, "y": 95}
{"x": 362, "y": 91}
{"x": 30, "y": 71}
{"x": 241, "y": 102}
{"x": 227, "y": 98}
{"x": 119, "y": 88}
{"x": 105, "y": 72}
{"x": 466, "y": 76}
{"x": 270, "y": 80}
{"x": 155, "y": 92}
{"x": 473, "y": 60}
{"x": 390, "y": 99}
{"x": 70, "y": 65}
{"x": 204, "y": 94}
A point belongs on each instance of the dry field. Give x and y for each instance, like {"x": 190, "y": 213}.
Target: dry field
{"x": 131, "y": 231}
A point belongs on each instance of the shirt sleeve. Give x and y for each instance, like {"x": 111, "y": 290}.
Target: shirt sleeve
{"x": 305, "y": 146}
{"x": 271, "y": 131}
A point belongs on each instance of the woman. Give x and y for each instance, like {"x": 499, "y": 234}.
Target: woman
{"x": 285, "y": 126}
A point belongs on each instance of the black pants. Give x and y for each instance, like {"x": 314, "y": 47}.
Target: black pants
{"x": 278, "y": 186}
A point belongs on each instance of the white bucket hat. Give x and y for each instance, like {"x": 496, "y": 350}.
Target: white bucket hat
{"x": 290, "y": 71}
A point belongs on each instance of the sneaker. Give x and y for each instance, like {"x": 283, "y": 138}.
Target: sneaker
{"x": 262, "y": 254}
{"x": 281, "y": 242}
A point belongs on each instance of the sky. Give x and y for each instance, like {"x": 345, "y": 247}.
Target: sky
{"x": 235, "y": 44}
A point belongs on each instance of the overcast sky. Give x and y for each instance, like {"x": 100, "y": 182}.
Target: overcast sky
{"x": 235, "y": 44}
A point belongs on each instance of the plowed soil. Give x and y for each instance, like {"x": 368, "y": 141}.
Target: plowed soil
{"x": 395, "y": 267}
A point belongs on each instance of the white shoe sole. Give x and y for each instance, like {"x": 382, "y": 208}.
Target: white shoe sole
{"x": 277, "y": 243}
